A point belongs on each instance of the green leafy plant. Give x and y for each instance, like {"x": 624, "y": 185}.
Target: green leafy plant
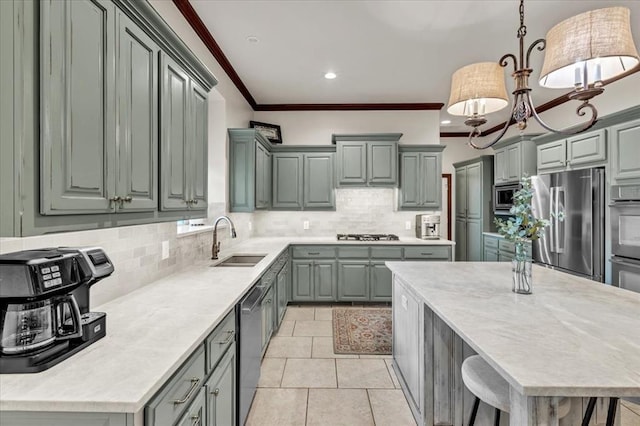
{"x": 523, "y": 226}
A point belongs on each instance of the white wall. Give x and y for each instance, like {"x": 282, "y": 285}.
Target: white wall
{"x": 316, "y": 127}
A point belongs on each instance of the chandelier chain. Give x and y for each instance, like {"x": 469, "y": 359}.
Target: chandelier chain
{"x": 522, "y": 31}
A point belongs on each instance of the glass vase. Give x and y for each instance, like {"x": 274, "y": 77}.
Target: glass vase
{"x": 521, "y": 271}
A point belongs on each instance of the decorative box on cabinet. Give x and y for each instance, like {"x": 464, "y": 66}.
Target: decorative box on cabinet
{"x": 250, "y": 170}
{"x": 474, "y": 210}
{"x": 420, "y": 177}
{"x": 514, "y": 158}
{"x": 367, "y": 159}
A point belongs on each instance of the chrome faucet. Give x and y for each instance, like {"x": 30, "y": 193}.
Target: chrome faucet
{"x": 215, "y": 249}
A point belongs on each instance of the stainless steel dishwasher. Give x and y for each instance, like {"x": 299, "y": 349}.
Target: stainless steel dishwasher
{"x": 250, "y": 319}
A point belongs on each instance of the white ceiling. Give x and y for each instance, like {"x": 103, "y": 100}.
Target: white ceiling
{"x": 382, "y": 51}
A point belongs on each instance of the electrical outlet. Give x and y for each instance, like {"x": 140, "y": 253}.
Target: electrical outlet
{"x": 305, "y": 224}
{"x": 407, "y": 225}
{"x": 250, "y": 226}
{"x": 165, "y": 250}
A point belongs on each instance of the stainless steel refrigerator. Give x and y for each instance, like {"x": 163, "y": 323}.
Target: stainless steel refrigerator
{"x": 575, "y": 244}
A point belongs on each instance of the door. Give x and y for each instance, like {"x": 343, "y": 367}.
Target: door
{"x": 287, "y": 181}
{"x": 353, "y": 280}
{"x": 198, "y": 170}
{"x": 221, "y": 392}
{"x": 409, "y": 172}
{"x": 137, "y": 115}
{"x": 430, "y": 181}
{"x": 587, "y": 148}
{"x": 382, "y": 163}
{"x": 380, "y": 282}
{"x": 77, "y": 136}
{"x": 461, "y": 193}
{"x": 318, "y": 181}
{"x": 174, "y": 135}
{"x": 302, "y": 281}
{"x": 324, "y": 280}
{"x": 352, "y": 163}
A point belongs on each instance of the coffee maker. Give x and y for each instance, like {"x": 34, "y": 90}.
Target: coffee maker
{"x": 428, "y": 226}
{"x": 44, "y": 305}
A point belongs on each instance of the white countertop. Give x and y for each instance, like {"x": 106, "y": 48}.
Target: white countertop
{"x": 571, "y": 337}
{"x": 150, "y": 333}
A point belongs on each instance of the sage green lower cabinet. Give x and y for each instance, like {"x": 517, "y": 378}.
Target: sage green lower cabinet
{"x": 625, "y": 151}
{"x": 324, "y": 280}
{"x": 497, "y": 249}
{"x": 353, "y": 280}
{"x": 221, "y": 392}
{"x": 24, "y": 418}
{"x": 314, "y": 280}
{"x": 319, "y": 181}
{"x": 196, "y": 413}
{"x": 267, "y": 317}
{"x": 380, "y": 282}
{"x": 287, "y": 181}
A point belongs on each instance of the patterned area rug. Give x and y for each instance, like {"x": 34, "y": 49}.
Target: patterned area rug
{"x": 365, "y": 331}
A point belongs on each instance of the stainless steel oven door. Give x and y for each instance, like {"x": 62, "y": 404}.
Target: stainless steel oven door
{"x": 625, "y": 229}
{"x": 626, "y": 273}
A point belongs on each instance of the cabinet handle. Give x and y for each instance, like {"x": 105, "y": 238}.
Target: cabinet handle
{"x": 194, "y": 202}
{"x": 426, "y": 254}
{"x": 230, "y": 334}
{"x": 195, "y": 420}
{"x": 114, "y": 199}
{"x": 215, "y": 392}
{"x": 268, "y": 300}
{"x": 314, "y": 253}
{"x": 194, "y": 385}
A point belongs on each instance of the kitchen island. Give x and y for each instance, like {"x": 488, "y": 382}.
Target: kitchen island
{"x": 151, "y": 333}
{"x": 571, "y": 337}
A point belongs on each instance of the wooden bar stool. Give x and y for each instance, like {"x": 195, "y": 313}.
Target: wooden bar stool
{"x": 489, "y": 386}
{"x": 611, "y": 413}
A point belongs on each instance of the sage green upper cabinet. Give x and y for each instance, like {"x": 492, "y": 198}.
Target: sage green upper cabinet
{"x": 137, "y": 117}
{"x": 579, "y": 151}
{"x": 250, "y": 171}
{"x": 474, "y": 211}
{"x": 183, "y": 156}
{"x": 319, "y": 181}
{"x": 77, "y": 106}
{"x": 514, "y": 158}
{"x": 287, "y": 181}
{"x": 420, "y": 177}
{"x": 625, "y": 150}
{"x": 367, "y": 159}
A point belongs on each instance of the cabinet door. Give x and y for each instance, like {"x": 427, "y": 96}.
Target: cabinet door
{"x": 353, "y": 280}
{"x": 490, "y": 255}
{"x": 352, "y": 163}
{"x": 302, "y": 281}
{"x": 137, "y": 118}
{"x": 197, "y": 172}
{"x": 77, "y": 132}
{"x": 587, "y": 148}
{"x": 242, "y": 180}
{"x": 324, "y": 280}
{"x": 267, "y": 317}
{"x": 380, "y": 282}
{"x": 174, "y": 135}
{"x": 461, "y": 192}
{"x": 318, "y": 181}
{"x": 382, "y": 163}
{"x": 474, "y": 241}
{"x": 513, "y": 158}
{"x": 221, "y": 392}
{"x": 626, "y": 150}
{"x": 500, "y": 165}
{"x": 474, "y": 191}
{"x": 430, "y": 181}
{"x": 461, "y": 239}
{"x": 552, "y": 155}
{"x": 281, "y": 284}
{"x": 261, "y": 185}
{"x": 287, "y": 181}
{"x": 195, "y": 414}
{"x": 409, "y": 172}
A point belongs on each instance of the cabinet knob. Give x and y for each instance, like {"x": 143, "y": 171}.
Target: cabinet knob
{"x": 194, "y": 202}
{"x": 216, "y": 391}
{"x": 114, "y": 199}
{"x": 127, "y": 199}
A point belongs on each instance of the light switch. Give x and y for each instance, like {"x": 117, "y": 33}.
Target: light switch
{"x": 407, "y": 225}
{"x": 305, "y": 224}
{"x": 165, "y": 249}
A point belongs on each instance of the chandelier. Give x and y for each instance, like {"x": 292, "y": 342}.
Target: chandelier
{"x": 581, "y": 53}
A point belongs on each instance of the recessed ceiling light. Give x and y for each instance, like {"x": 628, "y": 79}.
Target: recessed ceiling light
{"x": 253, "y": 39}
{"x": 330, "y": 75}
{"x": 445, "y": 122}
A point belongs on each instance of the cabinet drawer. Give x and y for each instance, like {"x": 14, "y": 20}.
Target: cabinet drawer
{"x": 168, "y": 404}
{"x": 505, "y": 245}
{"x": 386, "y": 252}
{"x": 312, "y": 252}
{"x": 195, "y": 414}
{"x": 490, "y": 242}
{"x": 427, "y": 252}
{"x": 353, "y": 252}
{"x": 220, "y": 339}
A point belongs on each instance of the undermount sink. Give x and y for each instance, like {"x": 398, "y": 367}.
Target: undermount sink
{"x": 241, "y": 260}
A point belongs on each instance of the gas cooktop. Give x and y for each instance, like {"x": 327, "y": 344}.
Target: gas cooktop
{"x": 367, "y": 237}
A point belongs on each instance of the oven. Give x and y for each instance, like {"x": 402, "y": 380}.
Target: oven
{"x": 625, "y": 236}
{"x": 503, "y": 197}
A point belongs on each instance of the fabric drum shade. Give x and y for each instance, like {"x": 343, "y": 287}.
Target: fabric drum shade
{"x": 600, "y": 38}
{"x": 483, "y": 82}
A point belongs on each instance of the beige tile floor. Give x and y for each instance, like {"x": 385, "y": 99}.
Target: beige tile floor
{"x": 303, "y": 383}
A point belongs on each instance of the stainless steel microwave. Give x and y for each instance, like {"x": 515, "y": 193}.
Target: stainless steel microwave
{"x": 503, "y": 197}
